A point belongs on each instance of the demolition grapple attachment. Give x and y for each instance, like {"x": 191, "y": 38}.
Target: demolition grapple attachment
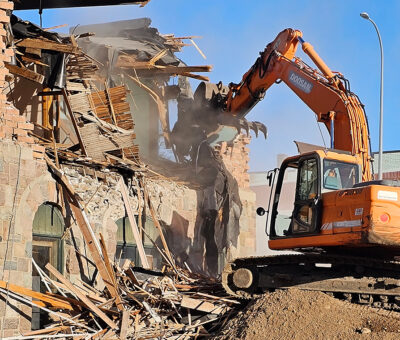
{"x": 211, "y": 115}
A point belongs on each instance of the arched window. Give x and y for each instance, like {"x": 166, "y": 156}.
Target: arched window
{"x": 126, "y": 244}
{"x": 47, "y": 247}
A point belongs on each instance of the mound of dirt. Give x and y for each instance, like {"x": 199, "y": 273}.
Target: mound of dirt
{"x": 301, "y": 315}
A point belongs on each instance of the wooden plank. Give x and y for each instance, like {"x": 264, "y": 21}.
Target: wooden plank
{"x": 58, "y": 315}
{"x": 139, "y": 244}
{"x": 157, "y": 224}
{"x": 47, "y": 45}
{"x": 25, "y": 73}
{"x": 107, "y": 259}
{"x": 124, "y": 324}
{"x": 73, "y": 120}
{"x": 200, "y": 305}
{"x": 47, "y": 330}
{"x": 33, "y": 60}
{"x": 43, "y": 300}
{"x": 81, "y": 296}
{"x": 110, "y": 104}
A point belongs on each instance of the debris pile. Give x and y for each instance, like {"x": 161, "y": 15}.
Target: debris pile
{"x": 147, "y": 304}
{"x": 296, "y": 315}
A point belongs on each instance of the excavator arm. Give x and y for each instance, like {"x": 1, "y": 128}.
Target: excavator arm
{"x": 326, "y": 93}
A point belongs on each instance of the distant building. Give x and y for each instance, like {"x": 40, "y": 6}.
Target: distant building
{"x": 390, "y": 164}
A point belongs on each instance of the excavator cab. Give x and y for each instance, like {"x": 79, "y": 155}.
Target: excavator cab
{"x": 296, "y": 207}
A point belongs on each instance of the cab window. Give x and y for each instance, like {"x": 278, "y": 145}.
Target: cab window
{"x": 339, "y": 175}
{"x": 308, "y": 180}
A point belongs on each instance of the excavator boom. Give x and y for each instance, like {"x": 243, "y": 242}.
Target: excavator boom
{"x": 326, "y": 93}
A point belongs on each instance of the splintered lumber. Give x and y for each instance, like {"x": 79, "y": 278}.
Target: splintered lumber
{"x": 125, "y": 196}
{"x": 81, "y": 296}
{"x": 25, "y": 73}
{"x": 45, "y": 44}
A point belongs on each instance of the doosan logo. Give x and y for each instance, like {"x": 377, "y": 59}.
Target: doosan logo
{"x": 300, "y": 82}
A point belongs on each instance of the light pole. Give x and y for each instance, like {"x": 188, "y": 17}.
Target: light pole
{"x": 366, "y": 16}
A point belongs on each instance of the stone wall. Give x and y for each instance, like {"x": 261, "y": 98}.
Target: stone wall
{"x": 24, "y": 185}
{"x": 235, "y": 156}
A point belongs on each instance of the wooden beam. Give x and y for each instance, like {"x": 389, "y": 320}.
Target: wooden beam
{"x": 48, "y": 45}
{"x": 81, "y": 296}
{"x": 33, "y": 60}
{"x": 125, "y": 196}
{"x": 157, "y": 224}
{"x": 87, "y": 232}
{"x": 111, "y": 272}
{"x": 73, "y": 120}
{"x": 58, "y": 315}
{"x": 25, "y": 73}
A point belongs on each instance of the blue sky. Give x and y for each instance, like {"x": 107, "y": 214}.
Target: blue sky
{"x": 234, "y": 31}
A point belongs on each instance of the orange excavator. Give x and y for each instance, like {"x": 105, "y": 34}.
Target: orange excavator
{"x": 324, "y": 203}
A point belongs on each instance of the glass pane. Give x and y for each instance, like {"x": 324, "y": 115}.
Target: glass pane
{"x": 124, "y": 232}
{"x": 151, "y": 230}
{"x": 126, "y": 252}
{"x": 303, "y": 221}
{"x": 48, "y": 221}
{"x": 286, "y": 201}
{"x": 308, "y": 180}
{"x": 339, "y": 175}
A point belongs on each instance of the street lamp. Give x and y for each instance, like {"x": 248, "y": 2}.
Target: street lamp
{"x": 365, "y": 16}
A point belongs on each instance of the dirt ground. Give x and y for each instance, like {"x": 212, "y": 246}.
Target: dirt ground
{"x": 302, "y": 315}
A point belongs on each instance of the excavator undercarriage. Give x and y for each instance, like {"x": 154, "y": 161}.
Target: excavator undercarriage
{"x": 362, "y": 280}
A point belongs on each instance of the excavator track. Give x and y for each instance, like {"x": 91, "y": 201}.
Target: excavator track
{"x": 362, "y": 280}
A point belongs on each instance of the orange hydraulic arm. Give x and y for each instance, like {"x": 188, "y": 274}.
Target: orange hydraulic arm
{"x": 325, "y": 92}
